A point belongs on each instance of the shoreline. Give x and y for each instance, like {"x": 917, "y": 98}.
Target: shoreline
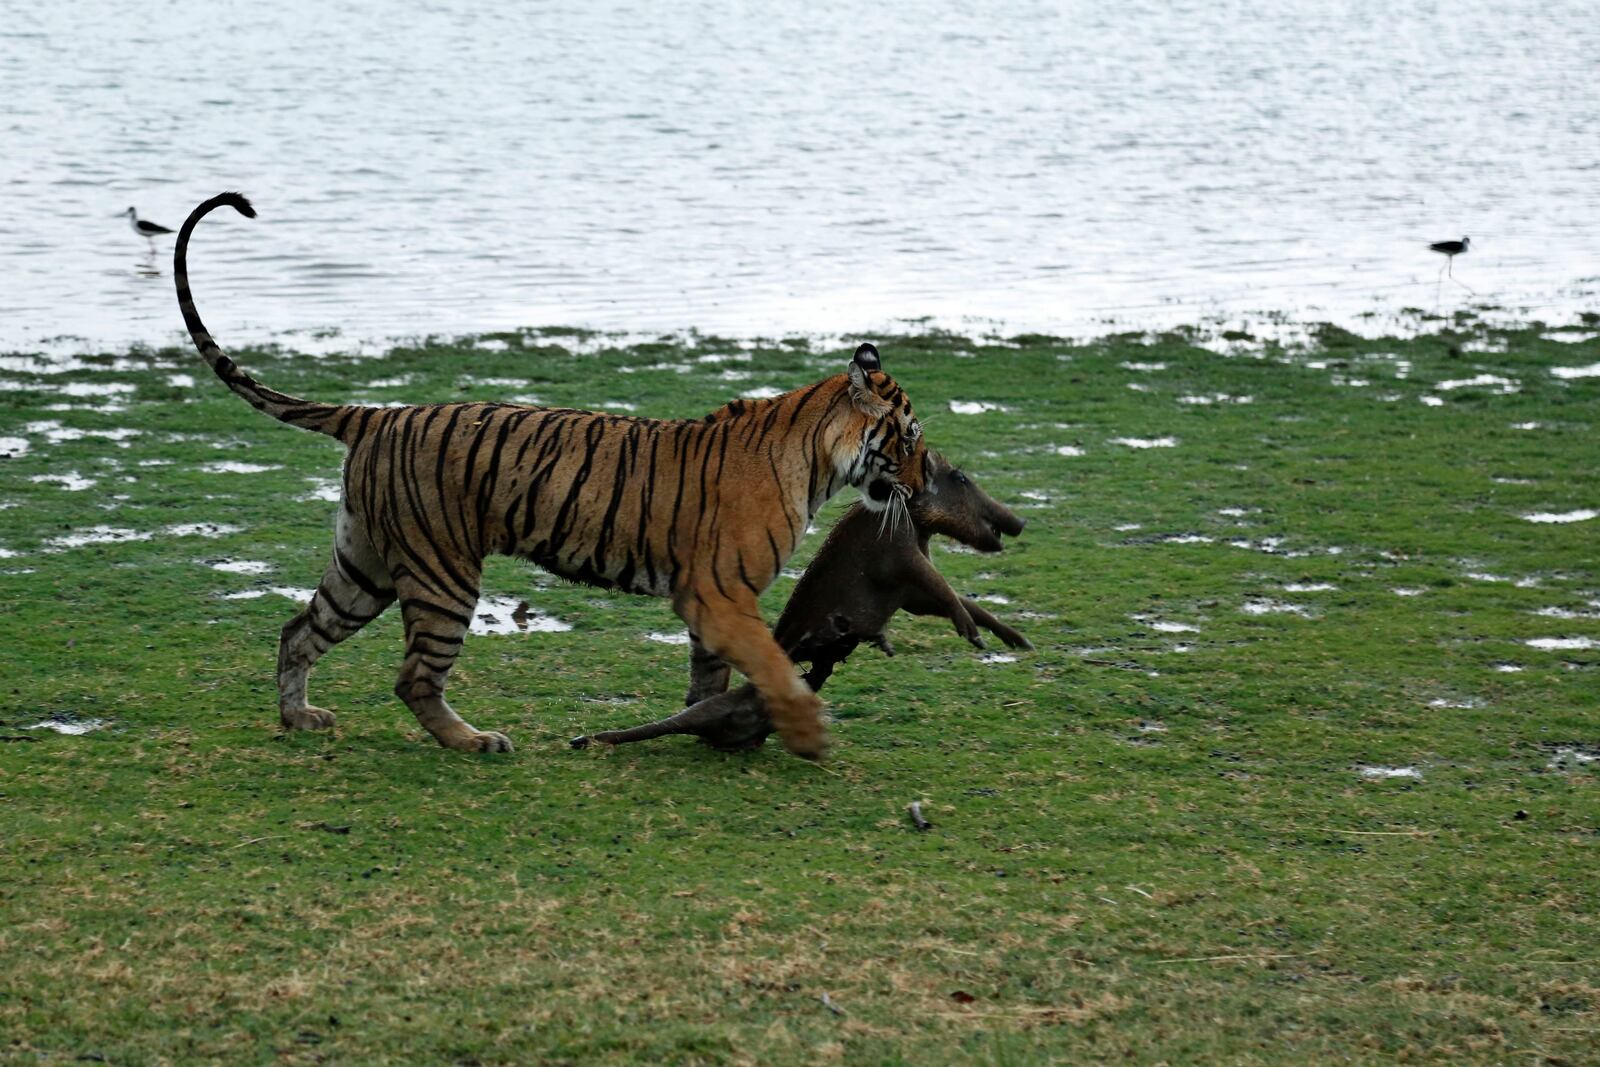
{"x": 1283, "y": 329}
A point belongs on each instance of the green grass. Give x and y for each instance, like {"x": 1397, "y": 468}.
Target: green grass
{"x": 1149, "y": 846}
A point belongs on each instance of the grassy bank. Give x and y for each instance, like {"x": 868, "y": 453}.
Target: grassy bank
{"x": 1284, "y": 779}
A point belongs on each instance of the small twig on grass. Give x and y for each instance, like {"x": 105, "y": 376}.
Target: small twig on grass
{"x": 831, "y": 1006}
{"x": 1141, "y": 892}
{"x": 1216, "y": 959}
{"x": 915, "y": 811}
{"x": 253, "y": 840}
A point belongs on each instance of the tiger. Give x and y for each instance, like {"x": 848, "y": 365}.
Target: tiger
{"x": 704, "y": 512}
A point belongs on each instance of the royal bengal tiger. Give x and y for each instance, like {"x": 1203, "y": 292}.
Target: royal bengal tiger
{"x": 704, "y": 511}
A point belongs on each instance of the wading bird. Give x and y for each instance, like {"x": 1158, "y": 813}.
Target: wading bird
{"x": 1450, "y": 250}
{"x": 147, "y": 230}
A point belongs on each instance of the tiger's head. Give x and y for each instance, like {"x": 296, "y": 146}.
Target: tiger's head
{"x": 890, "y": 464}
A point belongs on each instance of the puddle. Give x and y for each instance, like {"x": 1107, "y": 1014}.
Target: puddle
{"x": 679, "y": 638}
{"x": 762, "y": 392}
{"x": 202, "y": 529}
{"x": 491, "y": 344}
{"x": 399, "y": 381}
{"x": 1215, "y": 398}
{"x": 1572, "y": 338}
{"x": 302, "y": 596}
{"x": 1581, "y": 515}
{"x": 1068, "y": 450}
{"x": 13, "y": 447}
{"x": 1484, "y": 576}
{"x": 1187, "y": 539}
{"x": 1269, "y": 545}
{"x": 241, "y": 566}
{"x": 1274, "y": 607}
{"x": 1401, "y": 590}
{"x": 1591, "y": 371}
{"x": 1150, "y": 726}
{"x": 1128, "y": 527}
{"x": 724, "y": 357}
{"x": 1310, "y": 587}
{"x": 231, "y": 466}
{"x": 676, "y": 368}
{"x": 467, "y": 382}
{"x": 1173, "y": 628}
{"x": 72, "y": 481}
{"x": 6, "y": 553}
{"x": 1349, "y": 383}
{"x": 510, "y": 615}
{"x": 1376, "y": 772}
{"x": 1502, "y": 386}
{"x": 735, "y": 376}
{"x": 993, "y": 658}
{"x": 97, "y": 389}
{"x": 1232, "y": 513}
{"x": 70, "y": 726}
{"x": 95, "y": 535}
{"x": 52, "y": 430}
{"x": 1142, "y": 366}
{"x": 993, "y": 598}
{"x": 1562, "y": 644}
{"x": 975, "y": 407}
{"x": 1565, "y": 613}
{"x": 1467, "y": 704}
{"x": 616, "y": 405}
{"x": 326, "y": 490}
{"x": 181, "y": 381}
{"x": 1146, "y": 442}
{"x": 1565, "y": 757}
{"x": 1432, "y": 401}
{"x": 1034, "y": 495}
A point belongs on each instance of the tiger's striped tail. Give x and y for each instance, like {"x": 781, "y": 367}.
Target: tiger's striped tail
{"x": 323, "y": 418}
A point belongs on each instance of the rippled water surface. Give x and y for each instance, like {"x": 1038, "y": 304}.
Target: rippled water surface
{"x": 451, "y": 167}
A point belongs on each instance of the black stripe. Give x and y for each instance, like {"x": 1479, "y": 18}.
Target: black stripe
{"x": 365, "y": 584}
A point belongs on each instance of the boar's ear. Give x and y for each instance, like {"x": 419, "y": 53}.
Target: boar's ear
{"x": 866, "y": 357}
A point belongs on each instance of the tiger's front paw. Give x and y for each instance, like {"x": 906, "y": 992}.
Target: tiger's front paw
{"x": 306, "y": 718}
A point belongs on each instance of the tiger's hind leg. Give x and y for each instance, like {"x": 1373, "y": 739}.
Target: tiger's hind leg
{"x": 708, "y": 674}
{"x": 355, "y": 589}
{"x": 436, "y": 626}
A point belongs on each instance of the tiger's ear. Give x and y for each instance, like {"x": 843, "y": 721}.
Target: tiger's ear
{"x": 865, "y": 398}
{"x": 866, "y": 357}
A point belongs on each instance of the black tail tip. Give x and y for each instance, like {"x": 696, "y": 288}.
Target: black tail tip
{"x": 238, "y": 202}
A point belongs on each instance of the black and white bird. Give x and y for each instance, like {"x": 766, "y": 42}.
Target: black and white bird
{"x": 1449, "y": 249}
{"x": 148, "y": 230}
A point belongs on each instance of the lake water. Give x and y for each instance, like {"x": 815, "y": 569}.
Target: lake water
{"x": 443, "y": 166}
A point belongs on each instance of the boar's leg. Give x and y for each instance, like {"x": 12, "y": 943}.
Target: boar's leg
{"x": 927, "y": 593}
{"x": 983, "y": 617}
